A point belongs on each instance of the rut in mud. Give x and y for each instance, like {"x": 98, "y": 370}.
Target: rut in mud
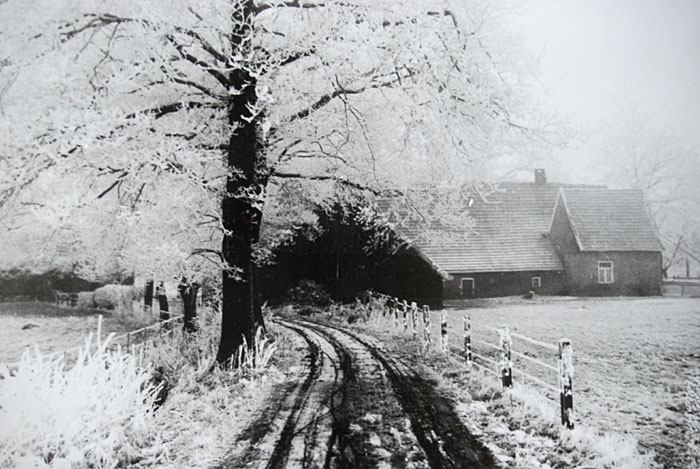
{"x": 354, "y": 406}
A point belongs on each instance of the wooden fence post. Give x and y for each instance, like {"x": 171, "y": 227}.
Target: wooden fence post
{"x": 468, "y": 339}
{"x": 414, "y": 318}
{"x": 566, "y": 374}
{"x": 395, "y": 310}
{"x": 506, "y": 363}
{"x": 444, "y": 339}
{"x": 404, "y": 306}
{"x": 128, "y": 342}
{"x": 426, "y": 328}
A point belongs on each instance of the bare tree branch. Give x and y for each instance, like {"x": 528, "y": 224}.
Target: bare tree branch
{"x": 327, "y": 98}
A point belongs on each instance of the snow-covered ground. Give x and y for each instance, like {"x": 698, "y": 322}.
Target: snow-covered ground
{"x": 637, "y": 380}
{"x": 637, "y": 362}
{"x": 53, "y": 328}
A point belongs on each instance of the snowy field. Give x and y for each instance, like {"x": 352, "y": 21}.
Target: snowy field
{"x": 637, "y": 361}
{"x": 51, "y": 328}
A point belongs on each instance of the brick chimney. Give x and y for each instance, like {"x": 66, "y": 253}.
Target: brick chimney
{"x": 540, "y": 177}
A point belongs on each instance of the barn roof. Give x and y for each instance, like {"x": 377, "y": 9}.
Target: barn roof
{"x": 508, "y": 234}
{"x": 610, "y": 220}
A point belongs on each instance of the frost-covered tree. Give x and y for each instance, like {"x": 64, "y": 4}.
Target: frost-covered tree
{"x": 639, "y": 152}
{"x": 190, "y": 117}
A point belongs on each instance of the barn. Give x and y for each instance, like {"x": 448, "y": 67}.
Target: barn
{"x": 506, "y": 253}
{"x": 552, "y": 239}
{"x": 547, "y": 238}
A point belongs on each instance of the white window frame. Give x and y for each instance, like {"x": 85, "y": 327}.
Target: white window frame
{"x": 606, "y": 272}
{"x": 536, "y": 282}
{"x": 472, "y": 286}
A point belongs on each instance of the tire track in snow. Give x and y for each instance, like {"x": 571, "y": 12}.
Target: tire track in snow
{"x": 355, "y": 407}
{"x": 268, "y": 438}
{"x": 447, "y": 443}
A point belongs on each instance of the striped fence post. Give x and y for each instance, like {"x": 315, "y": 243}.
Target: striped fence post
{"x": 404, "y": 307}
{"x": 506, "y": 363}
{"x": 395, "y": 311}
{"x": 426, "y": 328}
{"x": 566, "y": 391}
{"x": 444, "y": 338}
{"x": 414, "y": 318}
{"x": 468, "y": 339}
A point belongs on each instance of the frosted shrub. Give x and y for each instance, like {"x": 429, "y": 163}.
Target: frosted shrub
{"x": 96, "y": 412}
{"x": 116, "y": 297}
{"x": 86, "y": 300}
{"x": 123, "y": 300}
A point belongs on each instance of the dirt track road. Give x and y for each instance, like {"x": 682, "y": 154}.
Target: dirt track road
{"x": 355, "y": 407}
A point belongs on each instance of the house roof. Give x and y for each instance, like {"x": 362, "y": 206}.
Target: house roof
{"x": 508, "y": 233}
{"x": 610, "y": 220}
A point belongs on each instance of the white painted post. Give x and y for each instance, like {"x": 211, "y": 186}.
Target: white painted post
{"x": 426, "y": 328}
{"x": 414, "y": 318}
{"x": 444, "y": 339}
{"x": 468, "y": 339}
{"x": 506, "y": 363}
{"x": 566, "y": 391}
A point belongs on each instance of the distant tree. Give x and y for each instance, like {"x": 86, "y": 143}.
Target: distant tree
{"x": 641, "y": 153}
{"x": 190, "y": 116}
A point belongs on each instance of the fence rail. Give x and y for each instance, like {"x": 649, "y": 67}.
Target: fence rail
{"x": 501, "y": 365}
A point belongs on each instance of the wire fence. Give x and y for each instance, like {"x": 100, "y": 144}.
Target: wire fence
{"x": 131, "y": 341}
{"x": 489, "y": 348}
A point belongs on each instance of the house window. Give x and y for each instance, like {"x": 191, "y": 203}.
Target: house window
{"x": 605, "y": 272}
{"x": 536, "y": 282}
{"x": 467, "y": 287}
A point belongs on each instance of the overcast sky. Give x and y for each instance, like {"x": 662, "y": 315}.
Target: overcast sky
{"x": 600, "y": 55}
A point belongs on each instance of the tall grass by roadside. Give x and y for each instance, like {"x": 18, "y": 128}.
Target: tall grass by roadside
{"x": 207, "y": 405}
{"x": 100, "y": 411}
{"x": 96, "y": 412}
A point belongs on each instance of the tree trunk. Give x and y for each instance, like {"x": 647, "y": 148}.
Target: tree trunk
{"x": 241, "y": 205}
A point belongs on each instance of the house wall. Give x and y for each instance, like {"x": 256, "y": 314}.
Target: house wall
{"x": 635, "y": 273}
{"x": 495, "y": 284}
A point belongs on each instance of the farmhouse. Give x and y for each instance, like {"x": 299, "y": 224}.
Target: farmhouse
{"x": 552, "y": 239}
{"x": 547, "y": 238}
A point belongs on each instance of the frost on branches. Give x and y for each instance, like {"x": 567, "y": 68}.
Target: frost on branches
{"x": 157, "y": 132}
